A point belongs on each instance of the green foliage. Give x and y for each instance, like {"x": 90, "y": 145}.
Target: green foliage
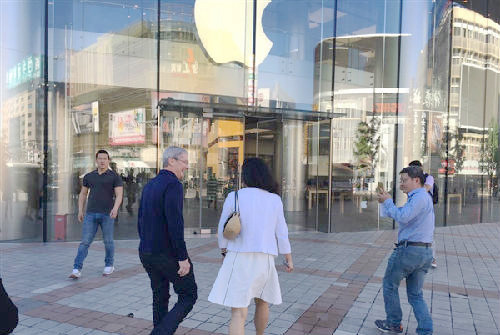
{"x": 491, "y": 155}
{"x": 456, "y": 148}
{"x": 366, "y": 146}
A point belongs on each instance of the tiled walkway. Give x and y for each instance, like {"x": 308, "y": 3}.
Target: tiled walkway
{"x": 335, "y": 288}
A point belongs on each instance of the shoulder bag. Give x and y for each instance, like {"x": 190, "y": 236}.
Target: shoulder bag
{"x": 232, "y": 227}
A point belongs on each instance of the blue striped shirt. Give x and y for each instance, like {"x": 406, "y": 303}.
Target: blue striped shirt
{"x": 415, "y": 218}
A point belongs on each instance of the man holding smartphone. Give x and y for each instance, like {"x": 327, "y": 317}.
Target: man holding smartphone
{"x": 412, "y": 256}
{"x": 432, "y": 190}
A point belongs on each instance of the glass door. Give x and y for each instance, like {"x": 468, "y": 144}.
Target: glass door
{"x": 184, "y": 129}
{"x": 222, "y": 157}
{"x": 294, "y": 149}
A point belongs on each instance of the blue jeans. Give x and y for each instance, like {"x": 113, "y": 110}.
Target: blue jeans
{"x": 90, "y": 224}
{"x": 412, "y": 263}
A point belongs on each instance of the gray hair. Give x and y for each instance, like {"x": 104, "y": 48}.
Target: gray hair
{"x": 172, "y": 152}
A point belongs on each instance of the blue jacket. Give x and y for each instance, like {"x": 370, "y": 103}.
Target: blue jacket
{"x": 160, "y": 223}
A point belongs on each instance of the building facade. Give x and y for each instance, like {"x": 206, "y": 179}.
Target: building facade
{"x": 336, "y": 96}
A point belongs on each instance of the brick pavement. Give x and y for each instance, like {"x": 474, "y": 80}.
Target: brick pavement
{"x": 335, "y": 288}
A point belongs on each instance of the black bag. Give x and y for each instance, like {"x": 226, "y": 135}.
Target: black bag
{"x": 8, "y": 312}
{"x": 435, "y": 191}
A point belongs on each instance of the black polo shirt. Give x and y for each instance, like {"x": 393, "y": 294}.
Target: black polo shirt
{"x": 102, "y": 190}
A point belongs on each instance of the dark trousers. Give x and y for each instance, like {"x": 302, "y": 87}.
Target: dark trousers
{"x": 162, "y": 270}
{"x": 8, "y": 312}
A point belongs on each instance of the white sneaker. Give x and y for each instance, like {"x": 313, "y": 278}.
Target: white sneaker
{"x": 75, "y": 274}
{"x": 108, "y": 270}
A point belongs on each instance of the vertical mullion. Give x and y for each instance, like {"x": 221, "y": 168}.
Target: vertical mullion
{"x": 45, "y": 120}
{"x": 450, "y": 55}
{"x": 158, "y": 110}
{"x": 330, "y": 156}
{"x": 396, "y": 130}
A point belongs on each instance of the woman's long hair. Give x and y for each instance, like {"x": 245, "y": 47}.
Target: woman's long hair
{"x": 255, "y": 173}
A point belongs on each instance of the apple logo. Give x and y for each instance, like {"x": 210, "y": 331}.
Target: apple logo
{"x": 225, "y": 28}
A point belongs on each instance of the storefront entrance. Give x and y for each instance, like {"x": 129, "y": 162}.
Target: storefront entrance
{"x": 219, "y": 136}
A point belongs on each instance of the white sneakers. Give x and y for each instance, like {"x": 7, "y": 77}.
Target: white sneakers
{"x": 75, "y": 274}
{"x": 108, "y": 270}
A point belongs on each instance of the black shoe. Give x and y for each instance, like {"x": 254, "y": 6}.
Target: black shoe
{"x": 383, "y": 326}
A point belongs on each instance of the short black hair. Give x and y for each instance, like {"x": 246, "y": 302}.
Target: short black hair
{"x": 415, "y": 163}
{"x": 255, "y": 173}
{"x": 102, "y": 151}
{"x": 414, "y": 172}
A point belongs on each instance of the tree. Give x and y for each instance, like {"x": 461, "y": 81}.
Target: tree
{"x": 366, "y": 147}
{"x": 491, "y": 155}
{"x": 456, "y": 148}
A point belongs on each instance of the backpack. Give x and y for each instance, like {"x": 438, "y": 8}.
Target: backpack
{"x": 435, "y": 191}
{"x": 8, "y": 312}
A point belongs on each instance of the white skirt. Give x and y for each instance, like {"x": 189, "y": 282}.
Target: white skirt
{"x": 244, "y": 276}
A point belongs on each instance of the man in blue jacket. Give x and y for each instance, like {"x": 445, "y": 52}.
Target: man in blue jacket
{"x": 162, "y": 249}
{"x": 412, "y": 256}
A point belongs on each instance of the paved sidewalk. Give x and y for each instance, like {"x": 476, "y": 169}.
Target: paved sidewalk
{"x": 335, "y": 288}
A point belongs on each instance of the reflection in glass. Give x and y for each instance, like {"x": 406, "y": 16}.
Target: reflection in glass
{"x": 21, "y": 120}
{"x": 185, "y": 131}
{"x": 335, "y": 96}
{"x": 223, "y": 156}
{"x": 103, "y": 74}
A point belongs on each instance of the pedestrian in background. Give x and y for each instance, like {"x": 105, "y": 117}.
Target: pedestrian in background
{"x": 106, "y": 194}
{"x": 162, "y": 248}
{"x": 431, "y": 188}
{"x": 248, "y": 271}
{"x": 412, "y": 256}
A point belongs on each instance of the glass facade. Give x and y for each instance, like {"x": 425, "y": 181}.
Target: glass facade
{"x": 336, "y": 96}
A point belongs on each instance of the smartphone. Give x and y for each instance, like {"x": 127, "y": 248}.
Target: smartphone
{"x": 380, "y": 187}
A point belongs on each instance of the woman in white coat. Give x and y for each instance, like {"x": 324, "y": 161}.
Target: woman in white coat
{"x": 248, "y": 271}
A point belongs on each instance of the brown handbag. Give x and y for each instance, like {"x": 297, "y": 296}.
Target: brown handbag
{"x": 232, "y": 227}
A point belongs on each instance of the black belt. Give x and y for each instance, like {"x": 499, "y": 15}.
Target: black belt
{"x": 416, "y": 244}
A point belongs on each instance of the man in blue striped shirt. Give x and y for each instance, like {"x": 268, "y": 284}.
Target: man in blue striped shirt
{"x": 412, "y": 256}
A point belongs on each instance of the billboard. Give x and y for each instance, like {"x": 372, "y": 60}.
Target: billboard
{"x": 85, "y": 118}
{"x": 127, "y": 127}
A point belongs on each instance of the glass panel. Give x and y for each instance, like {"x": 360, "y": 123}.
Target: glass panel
{"x": 484, "y": 56}
{"x": 201, "y": 53}
{"x": 287, "y": 50}
{"x": 21, "y": 119}
{"x": 102, "y": 75}
{"x": 305, "y": 175}
{"x": 222, "y": 142}
{"x": 365, "y": 109}
{"x": 424, "y": 103}
{"x": 290, "y": 149}
{"x": 185, "y": 130}
{"x": 470, "y": 79}
{"x": 491, "y": 156}
{"x": 321, "y": 135}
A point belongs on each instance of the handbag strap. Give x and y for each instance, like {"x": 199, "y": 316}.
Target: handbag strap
{"x": 236, "y": 203}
